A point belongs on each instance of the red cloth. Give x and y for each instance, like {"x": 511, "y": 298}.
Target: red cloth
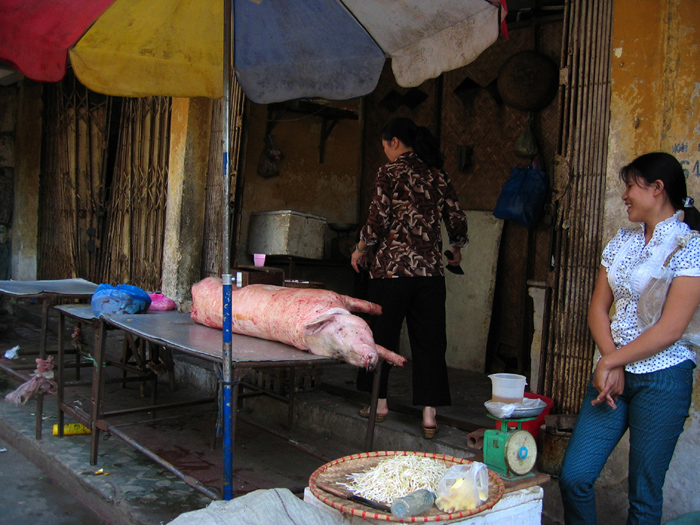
{"x": 504, "y": 26}
{"x": 36, "y": 34}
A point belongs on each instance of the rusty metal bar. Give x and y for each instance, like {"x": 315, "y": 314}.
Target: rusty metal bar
{"x": 155, "y": 407}
{"x": 11, "y": 371}
{"x": 584, "y": 103}
{"x": 192, "y": 482}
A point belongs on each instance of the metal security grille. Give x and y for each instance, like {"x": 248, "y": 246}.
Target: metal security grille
{"x": 72, "y": 186}
{"x": 133, "y": 248}
{"x": 579, "y": 188}
{"x": 103, "y": 186}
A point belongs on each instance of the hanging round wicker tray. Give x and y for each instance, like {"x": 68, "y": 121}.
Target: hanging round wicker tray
{"x": 528, "y": 81}
{"x": 336, "y": 472}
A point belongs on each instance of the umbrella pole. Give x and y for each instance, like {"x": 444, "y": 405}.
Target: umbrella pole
{"x": 226, "y": 265}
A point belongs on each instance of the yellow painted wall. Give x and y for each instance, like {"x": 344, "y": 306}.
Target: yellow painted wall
{"x": 655, "y": 100}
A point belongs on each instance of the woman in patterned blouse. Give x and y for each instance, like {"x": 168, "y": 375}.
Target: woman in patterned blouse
{"x": 643, "y": 379}
{"x": 412, "y": 196}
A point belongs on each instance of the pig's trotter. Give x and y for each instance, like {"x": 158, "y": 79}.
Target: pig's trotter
{"x": 391, "y": 357}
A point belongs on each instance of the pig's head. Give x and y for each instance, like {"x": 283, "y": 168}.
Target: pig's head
{"x": 339, "y": 334}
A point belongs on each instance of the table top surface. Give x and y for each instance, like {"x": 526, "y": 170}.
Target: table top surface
{"x": 78, "y": 311}
{"x": 84, "y": 312}
{"x": 178, "y": 331}
{"x": 67, "y": 287}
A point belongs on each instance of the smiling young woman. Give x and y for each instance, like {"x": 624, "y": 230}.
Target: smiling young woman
{"x": 643, "y": 379}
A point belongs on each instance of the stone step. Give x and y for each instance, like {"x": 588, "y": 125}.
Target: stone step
{"x": 327, "y": 421}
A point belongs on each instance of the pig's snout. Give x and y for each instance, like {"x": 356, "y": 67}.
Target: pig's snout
{"x": 371, "y": 360}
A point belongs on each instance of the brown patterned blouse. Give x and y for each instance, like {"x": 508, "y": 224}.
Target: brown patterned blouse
{"x": 403, "y": 226}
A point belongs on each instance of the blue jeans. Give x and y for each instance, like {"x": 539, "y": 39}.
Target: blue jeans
{"x": 654, "y": 406}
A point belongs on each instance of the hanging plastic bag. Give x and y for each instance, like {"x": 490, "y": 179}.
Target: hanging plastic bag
{"x": 463, "y": 487}
{"x": 526, "y": 144}
{"x": 42, "y": 380}
{"x": 120, "y": 299}
{"x": 522, "y": 196}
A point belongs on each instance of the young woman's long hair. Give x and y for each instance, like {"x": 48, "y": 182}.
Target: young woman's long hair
{"x": 423, "y": 142}
{"x": 664, "y": 167}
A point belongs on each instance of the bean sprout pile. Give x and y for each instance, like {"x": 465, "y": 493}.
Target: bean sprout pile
{"x": 396, "y": 477}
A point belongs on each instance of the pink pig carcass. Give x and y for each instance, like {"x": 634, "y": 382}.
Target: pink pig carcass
{"x": 309, "y": 319}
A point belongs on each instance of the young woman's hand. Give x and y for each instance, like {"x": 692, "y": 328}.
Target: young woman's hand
{"x": 358, "y": 260}
{"x": 609, "y": 382}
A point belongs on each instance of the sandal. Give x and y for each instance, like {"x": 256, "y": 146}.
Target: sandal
{"x": 429, "y": 432}
{"x": 364, "y": 412}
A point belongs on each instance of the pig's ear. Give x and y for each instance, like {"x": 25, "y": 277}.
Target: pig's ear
{"x": 323, "y": 320}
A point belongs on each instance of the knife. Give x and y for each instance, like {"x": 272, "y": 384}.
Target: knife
{"x": 348, "y": 495}
{"x": 451, "y": 267}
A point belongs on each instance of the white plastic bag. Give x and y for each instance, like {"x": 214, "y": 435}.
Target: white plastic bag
{"x": 653, "y": 297}
{"x": 463, "y": 487}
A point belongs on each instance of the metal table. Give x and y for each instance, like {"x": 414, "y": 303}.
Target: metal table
{"x": 179, "y": 332}
{"x": 47, "y": 291}
{"x": 83, "y": 314}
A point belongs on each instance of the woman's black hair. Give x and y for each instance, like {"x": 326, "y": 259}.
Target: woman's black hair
{"x": 666, "y": 168}
{"x": 423, "y": 142}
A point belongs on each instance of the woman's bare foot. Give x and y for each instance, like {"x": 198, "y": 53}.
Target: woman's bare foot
{"x": 382, "y": 410}
{"x": 429, "y": 415}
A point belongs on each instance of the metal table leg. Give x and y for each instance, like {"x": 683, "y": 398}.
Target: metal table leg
{"x": 369, "y": 439}
{"x": 45, "y": 305}
{"x": 97, "y": 392}
{"x": 60, "y": 374}
{"x": 291, "y": 397}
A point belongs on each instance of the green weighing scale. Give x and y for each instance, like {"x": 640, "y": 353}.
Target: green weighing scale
{"x": 510, "y": 451}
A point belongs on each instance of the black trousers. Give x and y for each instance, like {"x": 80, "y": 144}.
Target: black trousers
{"x": 421, "y": 301}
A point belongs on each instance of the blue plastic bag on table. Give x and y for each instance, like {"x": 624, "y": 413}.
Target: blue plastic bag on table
{"x": 522, "y": 196}
{"x": 120, "y": 299}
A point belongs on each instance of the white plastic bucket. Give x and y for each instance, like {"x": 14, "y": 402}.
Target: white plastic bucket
{"x": 507, "y": 388}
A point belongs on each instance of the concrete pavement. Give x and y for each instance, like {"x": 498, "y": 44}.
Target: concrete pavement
{"x": 133, "y": 489}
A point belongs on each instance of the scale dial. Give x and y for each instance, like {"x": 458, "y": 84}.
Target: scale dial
{"x": 520, "y": 452}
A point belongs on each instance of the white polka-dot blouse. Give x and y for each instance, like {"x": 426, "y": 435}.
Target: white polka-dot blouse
{"x": 629, "y": 263}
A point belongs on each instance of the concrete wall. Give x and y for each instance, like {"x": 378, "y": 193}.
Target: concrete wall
{"x": 655, "y": 106}
{"x": 8, "y": 122}
{"x": 27, "y": 164}
{"x": 329, "y": 189}
{"x": 190, "y": 128}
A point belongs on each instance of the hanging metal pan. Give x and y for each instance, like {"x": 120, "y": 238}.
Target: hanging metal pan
{"x": 528, "y": 81}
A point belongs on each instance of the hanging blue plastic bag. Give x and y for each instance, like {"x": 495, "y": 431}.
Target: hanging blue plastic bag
{"x": 522, "y": 196}
{"x": 120, "y": 299}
